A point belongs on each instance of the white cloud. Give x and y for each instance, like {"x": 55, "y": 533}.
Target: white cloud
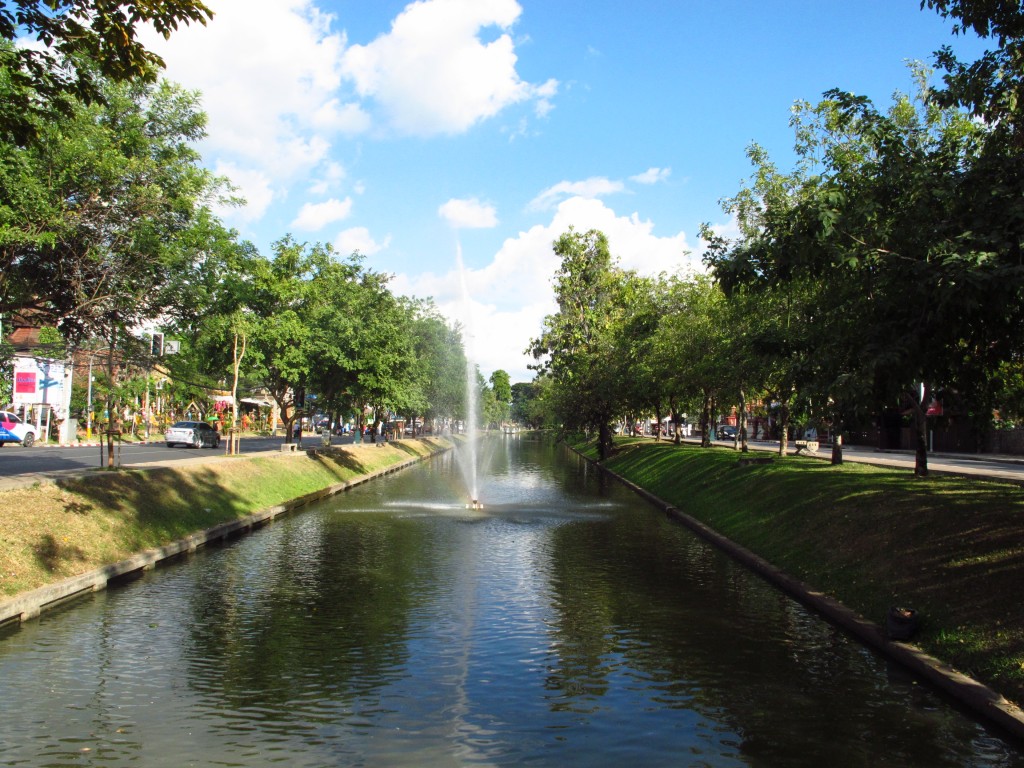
{"x": 331, "y": 176}
{"x": 280, "y": 85}
{"x": 468, "y": 214}
{"x": 432, "y": 73}
{"x": 544, "y": 94}
{"x": 510, "y": 296}
{"x": 268, "y": 71}
{"x": 254, "y": 186}
{"x": 652, "y": 176}
{"x": 359, "y": 239}
{"x": 314, "y": 216}
{"x": 348, "y": 118}
{"x": 596, "y": 186}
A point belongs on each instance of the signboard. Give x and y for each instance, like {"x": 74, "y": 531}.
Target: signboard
{"x": 38, "y": 382}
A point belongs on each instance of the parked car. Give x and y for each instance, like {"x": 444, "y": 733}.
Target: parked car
{"x": 14, "y": 430}
{"x": 726, "y": 432}
{"x": 192, "y": 433}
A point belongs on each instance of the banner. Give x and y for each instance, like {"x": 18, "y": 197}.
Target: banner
{"x": 38, "y": 382}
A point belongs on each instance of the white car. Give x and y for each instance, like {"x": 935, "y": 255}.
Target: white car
{"x": 192, "y": 433}
{"x": 14, "y": 430}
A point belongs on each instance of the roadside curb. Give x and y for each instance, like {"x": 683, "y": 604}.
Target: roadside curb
{"x": 976, "y": 696}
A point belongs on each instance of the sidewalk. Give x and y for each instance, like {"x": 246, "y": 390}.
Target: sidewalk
{"x": 866, "y": 453}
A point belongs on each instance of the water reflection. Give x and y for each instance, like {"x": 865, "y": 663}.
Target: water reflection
{"x": 564, "y": 624}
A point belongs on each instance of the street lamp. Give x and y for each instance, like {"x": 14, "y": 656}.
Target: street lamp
{"x": 88, "y": 407}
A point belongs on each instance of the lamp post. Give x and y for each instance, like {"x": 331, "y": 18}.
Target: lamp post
{"x": 88, "y": 407}
{"x": 88, "y": 411}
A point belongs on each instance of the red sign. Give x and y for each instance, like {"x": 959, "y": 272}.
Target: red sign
{"x": 24, "y": 382}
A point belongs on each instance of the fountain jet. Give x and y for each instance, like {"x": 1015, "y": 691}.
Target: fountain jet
{"x": 470, "y": 444}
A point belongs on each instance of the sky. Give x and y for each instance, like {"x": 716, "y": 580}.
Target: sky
{"x": 440, "y": 133}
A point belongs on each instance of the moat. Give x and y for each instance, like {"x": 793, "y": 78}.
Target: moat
{"x": 564, "y": 623}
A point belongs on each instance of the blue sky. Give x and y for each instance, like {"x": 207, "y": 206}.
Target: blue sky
{"x": 409, "y": 131}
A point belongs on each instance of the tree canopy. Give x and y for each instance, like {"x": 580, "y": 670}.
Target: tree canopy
{"x": 86, "y": 43}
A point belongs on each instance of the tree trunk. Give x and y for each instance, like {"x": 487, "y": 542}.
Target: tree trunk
{"x": 783, "y": 428}
{"x": 604, "y": 441}
{"x": 705, "y": 422}
{"x": 741, "y": 433}
{"x": 837, "y": 443}
{"x": 111, "y": 421}
{"x": 921, "y": 431}
{"x": 233, "y": 434}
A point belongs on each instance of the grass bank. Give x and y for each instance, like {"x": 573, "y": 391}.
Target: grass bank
{"x": 950, "y": 547}
{"x": 50, "y": 532}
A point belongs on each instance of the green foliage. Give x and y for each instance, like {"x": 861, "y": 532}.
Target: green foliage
{"x": 94, "y": 215}
{"x": 86, "y": 42}
{"x": 578, "y": 344}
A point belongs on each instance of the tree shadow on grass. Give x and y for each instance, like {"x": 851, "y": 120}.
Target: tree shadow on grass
{"x": 166, "y": 503}
{"x": 406, "y": 448}
{"x": 343, "y": 465}
{"x": 52, "y": 554}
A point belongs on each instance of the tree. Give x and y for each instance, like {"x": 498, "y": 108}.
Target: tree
{"x": 281, "y": 342}
{"x": 382, "y": 370}
{"x": 86, "y": 42}
{"x": 694, "y": 329}
{"x": 992, "y": 87}
{"x": 576, "y": 347}
{"x": 97, "y": 218}
{"x": 440, "y": 370}
{"x": 502, "y": 388}
{"x": 908, "y": 282}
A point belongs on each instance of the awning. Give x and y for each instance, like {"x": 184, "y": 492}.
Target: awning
{"x": 264, "y": 402}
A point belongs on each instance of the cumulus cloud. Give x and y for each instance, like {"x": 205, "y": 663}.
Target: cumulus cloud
{"x": 281, "y": 84}
{"x": 652, "y": 176}
{"x": 433, "y": 74}
{"x": 468, "y": 214}
{"x": 596, "y": 186}
{"x": 510, "y": 296}
{"x": 253, "y": 186}
{"x": 314, "y": 216}
{"x": 359, "y": 239}
{"x": 330, "y": 177}
{"x": 268, "y": 70}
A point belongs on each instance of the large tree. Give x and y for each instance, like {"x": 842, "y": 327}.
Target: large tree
{"x": 440, "y": 368}
{"x": 84, "y": 43}
{"x": 577, "y": 347}
{"x": 100, "y": 218}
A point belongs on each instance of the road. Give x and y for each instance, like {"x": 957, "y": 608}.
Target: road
{"x": 19, "y": 466}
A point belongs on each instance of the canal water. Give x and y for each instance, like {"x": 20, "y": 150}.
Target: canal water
{"x": 567, "y": 623}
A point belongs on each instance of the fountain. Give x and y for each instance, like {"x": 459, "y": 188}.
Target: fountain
{"x": 468, "y": 452}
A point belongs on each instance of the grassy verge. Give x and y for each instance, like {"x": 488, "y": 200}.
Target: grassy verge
{"x": 950, "y": 547}
{"x": 50, "y": 532}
